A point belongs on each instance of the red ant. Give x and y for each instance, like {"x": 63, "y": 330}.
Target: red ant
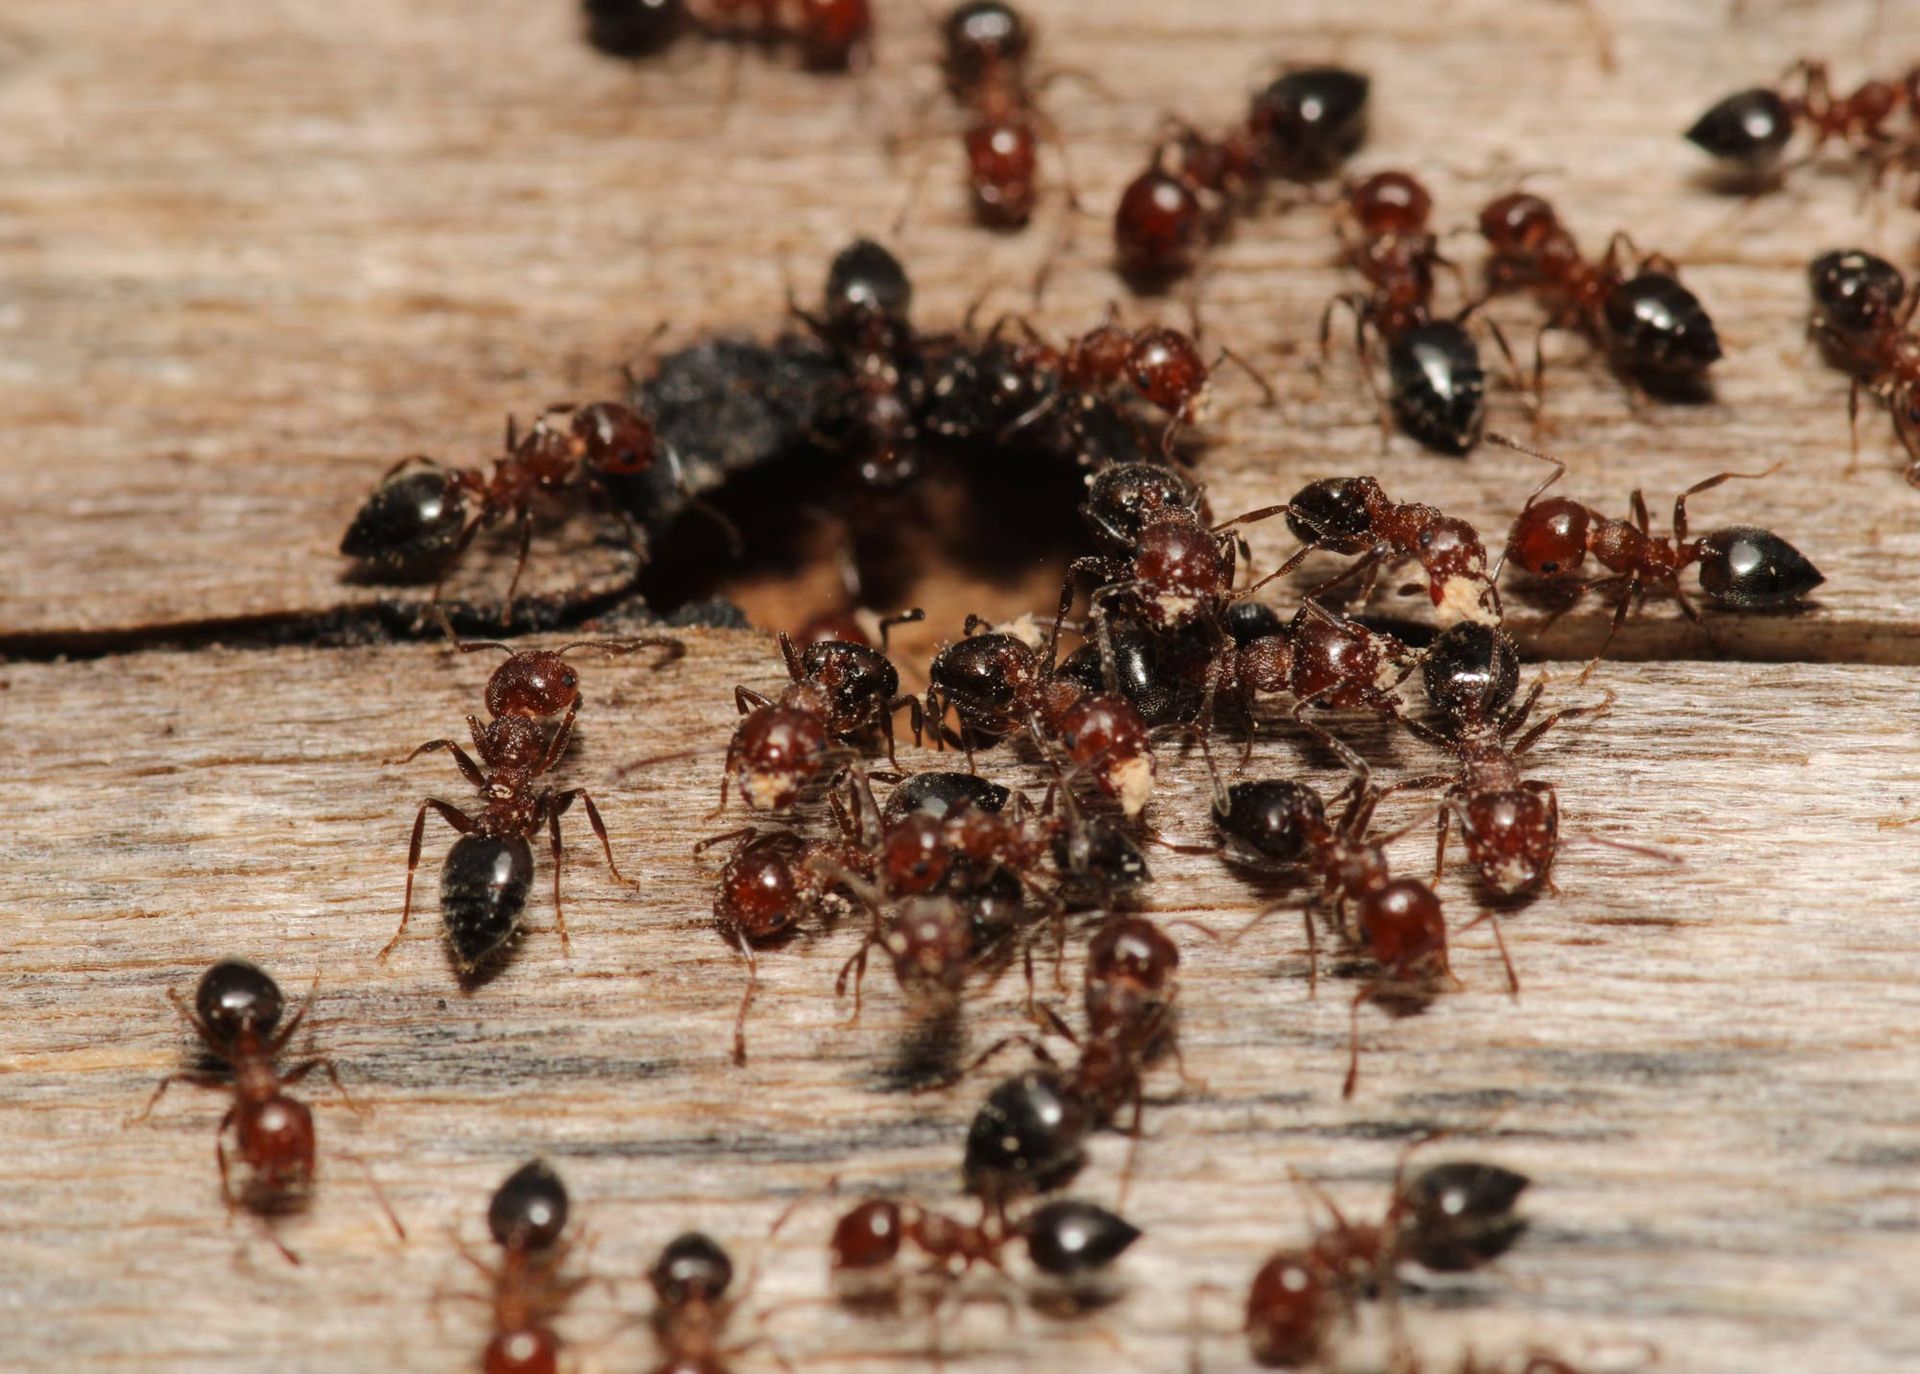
{"x": 1299, "y": 128}
{"x": 690, "y": 1280}
{"x": 829, "y": 34}
{"x": 525, "y": 1218}
{"x": 986, "y": 47}
{"x": 1452, "y": 1218}
{"x": 1750, "y": 129}
{"x": 236, "y": 1013}
{"x": 1280, "y": 828}
{"x": 1655, "y": 329}
{"x": 1862, "y": 315}
{"x": 997, "y": 683}
{"x": 1741, "y": 567}
{"x": 839, "y": 691}
{"x": 1352, "y": 515}
{"x": 419, "y": 514}
{"x": 871, "y": 412}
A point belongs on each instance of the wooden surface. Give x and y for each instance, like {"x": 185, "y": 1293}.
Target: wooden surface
{"x": 250, "y": 253}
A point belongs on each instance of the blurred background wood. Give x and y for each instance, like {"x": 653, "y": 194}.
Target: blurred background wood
{"x": 251, "y": 253}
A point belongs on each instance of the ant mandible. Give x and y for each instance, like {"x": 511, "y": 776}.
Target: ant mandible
{"x": 1741, "y": 566}
{"x": 526, "y": 1218}
{"x": 236, "y": 1013}
{"x": 838, "y": 691}
{"x": 1654, "y": 329}
{"x": 1862, "y": 316}
{"x": 423, "y": 515}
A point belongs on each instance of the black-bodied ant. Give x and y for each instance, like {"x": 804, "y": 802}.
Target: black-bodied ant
{"x": 1862, "y": 316}
{"x": 1749, "y": 130}
{"x": 236, "y": 1012}
{"x": 871, "y": 413}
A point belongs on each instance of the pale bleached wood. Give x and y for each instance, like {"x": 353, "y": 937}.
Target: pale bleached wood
{"x": 253, "y": 253}
{"x": 1709, "y": 1072}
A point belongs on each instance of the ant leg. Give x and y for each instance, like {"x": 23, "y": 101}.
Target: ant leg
{"x": 326, "y": 1066}
{"x": 1135, "y": 1130}
{"x": 1680, "y": 501}
{"x": 857, "y": 966}
{"x": 745, "y": 699}
{"x": 745, "y": 947}
{"x": 379, "y": 1193}
{"x": 1440, "y": 847}
{"x": 562, "y": 737}
{"x": 1259, "y": 378}
{"x": 1532, "y": 737}
{"x": 1313, "y": 953}
{"x": 523, "y": 525}
{"x": 1627, "y": 598}
{"x": 200, "y": 1078}
{"x": 1365, "y": 994}
{"x": 220, "y": 1158}
{"x": 914, "y": 718}
{"x": 454, "y": 817}
{"x": 744, "y": 833}
{"x": 1492, "y": 918}
{"x": 468, "y": 767}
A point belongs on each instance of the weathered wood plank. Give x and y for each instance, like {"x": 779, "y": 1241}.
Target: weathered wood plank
{"x": 253, "y": 255}
{"x": 1709, "y": 1070}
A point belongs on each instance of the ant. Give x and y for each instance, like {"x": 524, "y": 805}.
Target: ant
{"x": 997, "y": 683}
{"x": 1438, "y": 388}
{"x": 525, "y": 1218}
{"x": 1749, "y": 130}
{"x": 1862, "y": 314}
{"x": 839, "y": 691}
{"x": 1353, "y": 515}
{"x": 1301, "y": 127}
{"x": 986, "y": 47}
{"x": 488, "y": 872}
{"x": 236, "y": 1013}
{"x": 829, "y": 34}
{"x": 424, "y": 515}
{"x": 1451, "y": 1218}
{"x": 690, "y": 1280}
{"x": 872, "y": 412}
{"x": 1741, "y": 566}
{"x": 1066, "y": 1239}
{"x": 1654, "y": 329}
{"x": 1279, "y": 828}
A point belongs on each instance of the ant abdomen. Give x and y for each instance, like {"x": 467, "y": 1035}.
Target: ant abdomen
{"x": 1308, "y": 122}
{"x": 1072, "y": 1239}
{"x": 1404, "y": 928}
{"x": 1438, "y": 386}
{"x": 635, "y": 28}
{"x": 483, "y": 893}
{"x": 1470, "y": 672}
{"x": 937, "y": 793}
{"x": 1658, "y": 326}
{"x": 1335, "y": 514}
{"x": 1028, "y": 1136}
{"x": 1748, "y": 130}
{"x": 411, "y": 523}
{"x": 1271, "y": 823}
{"x": 1754, "y": 569}
{"x": 1459, "y": 1216}
{"x": 1857, "y": 296}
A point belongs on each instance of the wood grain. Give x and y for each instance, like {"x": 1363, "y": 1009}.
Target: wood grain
{"x": 1707, "y": 1071}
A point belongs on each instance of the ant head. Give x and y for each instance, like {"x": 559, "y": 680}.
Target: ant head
{"x": 987, "y": 677}
{"x": 914, "y": 855}
{"x": 980, "y": 36}
{"x": 536, "y": 683}
{"x": 529, "y": 1210}
{"x": 1105, "y": 734}
{"x": 1748, "y": 130}
{"x": 1158, "y": 225}
{"x": 1290, "y": 1311}
{"x": 930, "y": 941}
{"x": 514, "y": 743}
{"x": 1518, "y": 222}
{"x": 776, "y": 751}
{"x": 1122, "y": 498}
{"x": 1512, "y": 838}
{"x": 1404, "y": 928}
{"x": 1166, "y": 368}
{"x": 1310, "y": 121}
{"x": 1470, "y": 672}
{"x": 1389, "y": 203}
{"x": 866, "y": 282}
{"x": 1271, "y": 823}
{"x": 1459, "y": 1216}
{"x": 1069, "y": 1238}
{"x": 615, "y": 440}
{"x": 859, "y": 680}
{"x": 691, "y": 1269}
{"x": 236, "y": 996}
{"x": 1134, "y": 953}
{"x": 1098, "y": 861}
{"x": 634, "y": 28}
{"x": 1856, "y": 293}
{"x": 759, "y": 895}
{"x": 1028, "y": 1136}
{"x": 1335, "y": 514}
{"x": 1754, "y": 569}
{"x": 937, "y": 794}
{"x": 1549, "y": 538}
{"x": 1181, "y": 570}
{"x": 867, "y": 1237}
{"x": 411, "y": 522}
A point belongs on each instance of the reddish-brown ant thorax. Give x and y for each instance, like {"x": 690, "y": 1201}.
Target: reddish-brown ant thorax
{"x": 1290, "y": 1312}
{"x": 776, "y": 751}
{"x": 1158, "y": 224}
{"x": 1518, "y": 223}
{"x": 1512, "y": 838}
{"x": 1167, "y": 369}
{"x": 867, "y": 1237}
{"x": 1181, "y": 569}
{"x": 514, "y": 743}
{"x": 914, "y": 855}
{"x": 1390, "y": 203}
{"x": 1105, "y": 734}
{"x": 1550, "y": 537}
{"x": 1404, "y": 927}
